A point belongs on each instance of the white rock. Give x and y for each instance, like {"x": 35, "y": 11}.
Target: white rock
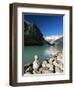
{"x": 44, "y": 63}
{"x": 58, "y": 70}
{"x": 54, "y": 63}
{"x": 40, "y": 70}
{"x": 34, "y": 72}
{"x": 51, "y": 67}
{"x": 58, "y": 66}
{"x": 36, "y": 63}
{"x": 36, "y": 57}
{"x": 48, "y": 65}
{"x": 60, "y": 57}
{"x": 50, "y": 60}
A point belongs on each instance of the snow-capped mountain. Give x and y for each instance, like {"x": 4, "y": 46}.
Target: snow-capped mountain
{"x": 54, "y": 39}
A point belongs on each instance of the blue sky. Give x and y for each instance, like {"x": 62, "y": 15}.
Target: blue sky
{"x": 48, "y": 25}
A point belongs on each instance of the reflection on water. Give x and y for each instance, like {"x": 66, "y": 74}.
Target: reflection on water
{"x": 52, "y": 50}
{"x": 41, "y": 51}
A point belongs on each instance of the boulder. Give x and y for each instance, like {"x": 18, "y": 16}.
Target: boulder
{"x": 36, "y": 63}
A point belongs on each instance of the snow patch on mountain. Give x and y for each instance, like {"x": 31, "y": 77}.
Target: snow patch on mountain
{"x": 52, "y": 38}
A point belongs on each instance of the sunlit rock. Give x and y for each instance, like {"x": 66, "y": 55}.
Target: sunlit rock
{"x": 53, "y": 64}
{"x": 44, "y": 63}
{"x": 36, "y": 63}
{"x": 45, "y": 70}
{"x": 50, "y": 60}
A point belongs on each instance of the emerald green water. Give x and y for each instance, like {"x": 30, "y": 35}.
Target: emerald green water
{"x": 42, "y": 51}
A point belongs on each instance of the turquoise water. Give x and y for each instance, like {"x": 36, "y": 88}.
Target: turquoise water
{"x": 41, "y": 51}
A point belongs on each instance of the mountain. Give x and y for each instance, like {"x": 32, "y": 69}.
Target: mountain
{"x": 33, "y": 35}
{"x": 54, "y": 39}
{"x": 59, "y": 41}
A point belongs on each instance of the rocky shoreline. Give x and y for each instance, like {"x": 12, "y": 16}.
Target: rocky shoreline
{"x": 53, "y": 64}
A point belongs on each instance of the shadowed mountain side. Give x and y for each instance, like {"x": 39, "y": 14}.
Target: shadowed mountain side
{"x": 32, "y": 35}
{"x": 59, "y": 41}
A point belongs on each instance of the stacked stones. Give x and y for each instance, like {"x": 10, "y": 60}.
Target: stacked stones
{"x": 53, "y": 64}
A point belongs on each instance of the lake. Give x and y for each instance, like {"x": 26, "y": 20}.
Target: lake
{"x": 42, "y": 51}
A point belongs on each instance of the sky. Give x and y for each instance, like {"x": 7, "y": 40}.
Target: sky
{"x": 48, "y": 25}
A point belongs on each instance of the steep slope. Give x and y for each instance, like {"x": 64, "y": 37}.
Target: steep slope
{"x": 59, "y": 41}
{"x": 32, "y": 34}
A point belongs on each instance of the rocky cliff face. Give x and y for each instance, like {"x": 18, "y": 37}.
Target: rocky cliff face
{"x": 32, "y": 34}
{"x": 59, "y": 41}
